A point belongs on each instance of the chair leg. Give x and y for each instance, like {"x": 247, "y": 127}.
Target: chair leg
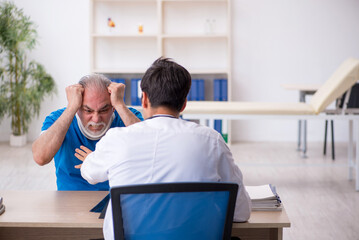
{"x": 325, "y": 138}
{"x": 332, "y": 126}
{"x": 299, "y": 135}
{"x": 304, "y": 150}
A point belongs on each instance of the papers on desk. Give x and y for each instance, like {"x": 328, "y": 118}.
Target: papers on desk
{"x": 264, "y": 198}
{"x": 2, "y": 206}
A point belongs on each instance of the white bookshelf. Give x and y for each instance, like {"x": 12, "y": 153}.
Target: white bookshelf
{"x": 196, "y": 34}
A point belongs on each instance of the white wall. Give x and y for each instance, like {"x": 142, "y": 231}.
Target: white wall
{"x": 274, "y": 42}
{"x": 63, "y": 48}
{"x": 281, "y": 41}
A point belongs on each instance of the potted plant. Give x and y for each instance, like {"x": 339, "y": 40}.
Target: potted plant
{"x": 23, "y": 84}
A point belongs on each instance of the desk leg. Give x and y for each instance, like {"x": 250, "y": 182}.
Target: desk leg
{"x": 276, "y": 234}
{"x": 350, "y": 151}
{"x": 301, "y": 99}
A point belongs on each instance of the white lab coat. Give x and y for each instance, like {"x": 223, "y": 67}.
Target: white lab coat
{"x": 163, "y": 149}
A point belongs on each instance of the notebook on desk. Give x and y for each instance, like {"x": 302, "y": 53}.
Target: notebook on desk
{"x": 264, "y": 198}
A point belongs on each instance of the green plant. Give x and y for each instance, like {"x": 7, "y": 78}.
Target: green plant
{"x": 23, "y": 85}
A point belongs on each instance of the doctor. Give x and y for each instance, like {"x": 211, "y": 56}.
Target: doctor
{"x": 163, "y": 148}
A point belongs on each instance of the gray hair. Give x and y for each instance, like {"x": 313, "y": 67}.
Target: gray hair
{"x": 97, "y": 81}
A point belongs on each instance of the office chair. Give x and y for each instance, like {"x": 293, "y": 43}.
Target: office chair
{"x": 174, "y": 211}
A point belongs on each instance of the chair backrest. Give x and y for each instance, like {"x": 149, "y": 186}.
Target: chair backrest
{"x": 343, "y": 78}
{"x": 350, "y": 99}
{"x": 174, "y": 211}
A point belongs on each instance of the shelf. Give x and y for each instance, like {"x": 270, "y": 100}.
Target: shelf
{"x": 119, "y": 71}
{"x": 207, "y": 71}
{"x": 123, "y": 36}
{"x": 209, "y": 18}
{"x": 126, "y": 1}
{"x": 194, "y": 1}
{"x": 127, "y": 16}
{"x": 195, "y": 36}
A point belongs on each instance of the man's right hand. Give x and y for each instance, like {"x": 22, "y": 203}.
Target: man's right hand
{"x": 50, "y": 141}
{"x": 74, "y": 95}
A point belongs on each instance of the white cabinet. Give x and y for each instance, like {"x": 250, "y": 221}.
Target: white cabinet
{"x": 196, "y": 34}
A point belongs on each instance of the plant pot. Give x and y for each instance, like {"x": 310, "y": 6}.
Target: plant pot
{"x": 17, "y": 141}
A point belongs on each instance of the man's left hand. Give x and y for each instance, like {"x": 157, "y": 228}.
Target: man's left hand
{"x": 81, "y": 153}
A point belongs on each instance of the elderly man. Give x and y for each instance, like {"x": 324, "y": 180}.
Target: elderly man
{"x": 163, "y": 148}
{"x": 94, "y": 105}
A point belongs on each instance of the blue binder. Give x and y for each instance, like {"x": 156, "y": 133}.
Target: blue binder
{"x": 218, "y": 126}
{"x": 220, "y": 93}
{"x": 194, "y": 87}
{"x": 189, "y": 96}
{"x": 136, "y": 92}
{"x": 217, "y": 89}
{"x": 118, "y": 80}
{"x": 224, "y": 90}
{"x": 201, "y": 89}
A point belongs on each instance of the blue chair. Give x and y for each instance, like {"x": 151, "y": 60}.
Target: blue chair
{"x": 174, "y": 211}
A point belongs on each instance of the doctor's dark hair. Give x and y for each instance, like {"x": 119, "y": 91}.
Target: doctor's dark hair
{"x": 166, "y": 83}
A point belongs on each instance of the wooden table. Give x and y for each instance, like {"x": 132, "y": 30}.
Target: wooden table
{"x": 262, "y": 225}
{"x": 65, "y": 215}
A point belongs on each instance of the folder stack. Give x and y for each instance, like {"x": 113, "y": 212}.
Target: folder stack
{"x": 264, "y": 198}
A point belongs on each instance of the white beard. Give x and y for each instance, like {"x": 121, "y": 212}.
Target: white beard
{"x": 91, "y": 134}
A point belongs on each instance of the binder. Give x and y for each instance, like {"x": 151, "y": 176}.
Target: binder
{"x": 220, "y": 93}
{"x": 217, "y": 89}
{"x": 201, "y": 89}
{"x": 217, "y": 96}
{"x": 218, "y": 125}
{"x": 194, "y": 87}
{"x": 224, "y": 90}
{"x": 136, "y": 92}
{"x": 120, "y": 80}
{"x": 189, "y": 96}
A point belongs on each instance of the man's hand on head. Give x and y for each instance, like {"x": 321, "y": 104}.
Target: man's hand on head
{"x": 117, "y": 92}
{"x": 74, "y": 94}
{"x": 81, "y": 153}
